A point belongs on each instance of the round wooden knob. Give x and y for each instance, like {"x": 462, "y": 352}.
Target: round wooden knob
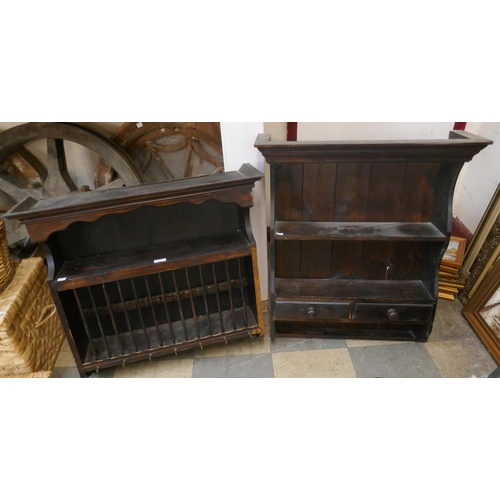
{"x": 392, "y": 314}
{"x": 311, "y": 312}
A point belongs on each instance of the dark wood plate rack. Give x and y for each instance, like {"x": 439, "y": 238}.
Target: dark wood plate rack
{"x": 153, "y": 269}
{"x": 358, "y": 230}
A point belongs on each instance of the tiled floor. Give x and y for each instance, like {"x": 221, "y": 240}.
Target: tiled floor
{"x": 453, "y": 350}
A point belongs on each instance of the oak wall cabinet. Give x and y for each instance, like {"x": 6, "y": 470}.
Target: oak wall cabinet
{"x": 358, "y": 230}
{"x": 143, "y": 271}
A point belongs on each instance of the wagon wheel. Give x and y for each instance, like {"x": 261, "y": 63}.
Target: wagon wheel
{"x": 167, "y": 151}
{"x": 23, "y": 175}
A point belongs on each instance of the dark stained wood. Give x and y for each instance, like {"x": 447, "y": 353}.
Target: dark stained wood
{"x": 351, "y": 193}
{"x": 164, "y": 269}
{"x": 365, "y": 222}
{"x": 306, "y": 311}
{"x": 363, "y": 231}
{"x": 55, "y": 214}
{"x": 152, "y": 260}
{"x": 372, "y": 290}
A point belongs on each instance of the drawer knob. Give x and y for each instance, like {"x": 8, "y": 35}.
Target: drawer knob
{"x": 392, "y": 314}
{"x": 311, "y": 312}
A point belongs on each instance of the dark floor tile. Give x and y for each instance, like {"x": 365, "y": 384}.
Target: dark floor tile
{"x": 283, "y": 344}
{"x": 107, "y": 373}
{"x": 409, "y": 360}
{"x": 249, "y": 366}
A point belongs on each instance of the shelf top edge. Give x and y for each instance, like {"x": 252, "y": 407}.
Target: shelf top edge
{"x": 460, "y": 146}
{"x": 456, "y": 138}
{"x": 78, "y": 202}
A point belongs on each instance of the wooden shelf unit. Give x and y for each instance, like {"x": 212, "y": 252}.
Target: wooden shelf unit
{"x": 358, "y": 230}
{"x": 149, "y": 270}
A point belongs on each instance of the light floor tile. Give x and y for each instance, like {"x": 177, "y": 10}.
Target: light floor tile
{"x": 138, "y": 369}
{"x": 65, "y": 358}
{"x": 461, "y": 358}
{"x": 180, "y": 368}
{"x": 328, "y": 363}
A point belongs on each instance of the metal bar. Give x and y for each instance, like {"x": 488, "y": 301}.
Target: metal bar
{"x": 233, "y": 317}
{"x": 153, "y": 311}
{"x": 192, "y": 303}
{"x": 131, "y": 305}
{"x": 112, "y": 318}
{"x": 166, "y": 308}
{"x": 218, "y": 298}
{"x": 245, "y": 319}
{"x": 140, "y": 313}
{"x": 180, "y": 307}
{"x": 99, "y": 322}
{"x": 126, "y": 315}
{"x": 205, "y": 301}
{"x": 87, "y": 331}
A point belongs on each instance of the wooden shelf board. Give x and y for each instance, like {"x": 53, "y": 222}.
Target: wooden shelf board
{"x": 307, "y": 230}
{"x": 178, "y": 254}
{"x": 359, "y": 290}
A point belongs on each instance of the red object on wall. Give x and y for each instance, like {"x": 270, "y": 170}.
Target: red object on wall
{"x": 459, "y": 125}
{"x": 291, "y": 131}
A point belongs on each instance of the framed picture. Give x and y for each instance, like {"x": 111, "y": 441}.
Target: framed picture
{"x": 482, "y": 312}
{"x": 455, "y": 252}
{"x": 482, "y": 233}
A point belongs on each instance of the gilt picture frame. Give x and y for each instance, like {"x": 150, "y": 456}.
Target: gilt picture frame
{"x": 455, "y": 252}
{"x": 482, "y": 312}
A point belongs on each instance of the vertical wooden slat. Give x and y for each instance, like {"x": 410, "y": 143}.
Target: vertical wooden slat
{"x": 178, "y": 298}
{"x": 243, "y": 300}
{"x": 153, "y": 310}
{"x": 205, "y": 301}
{"x": 351, "y": 191}
{"x": 288, "y": 207}
{"x": 386, "y": 177}
{"x": 195, "y": 318}
{"x": 221, "y": 319}
{"x": 96, "y": 312}
{"x": 140, "y": 313}
{"x": 126, "y": 315}
{"x": 418, "y": 196}
{"x": 86, "y": 326}
{"x": 318, "y": 202}
{"x": 167, "y": 314}
{"x": 112, "y": 314}
{"x": 233, "y": 317}
{"x": 346, "y": 259}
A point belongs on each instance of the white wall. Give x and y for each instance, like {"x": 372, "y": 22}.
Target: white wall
{"x": 238, "y": 148}
{"x": 479, "y": 178}
{"x": 371, "y": 131}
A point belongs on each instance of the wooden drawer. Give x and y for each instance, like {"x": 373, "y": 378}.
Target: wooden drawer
{"x": 302, "y": 310}
{"x": 393, "y": 312}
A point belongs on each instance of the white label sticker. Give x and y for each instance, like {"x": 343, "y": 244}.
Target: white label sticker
{"x": 62, "y": 279}
{"x": 139, "y": 125}
{"x": 157, "y": 261}
{"x": 279, "y": 234}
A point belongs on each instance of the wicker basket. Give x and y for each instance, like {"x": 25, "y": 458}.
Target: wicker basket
{"x": 31, "y": 334}
{"x": 32, "y": 375}
{"x": 6, "y": 269}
